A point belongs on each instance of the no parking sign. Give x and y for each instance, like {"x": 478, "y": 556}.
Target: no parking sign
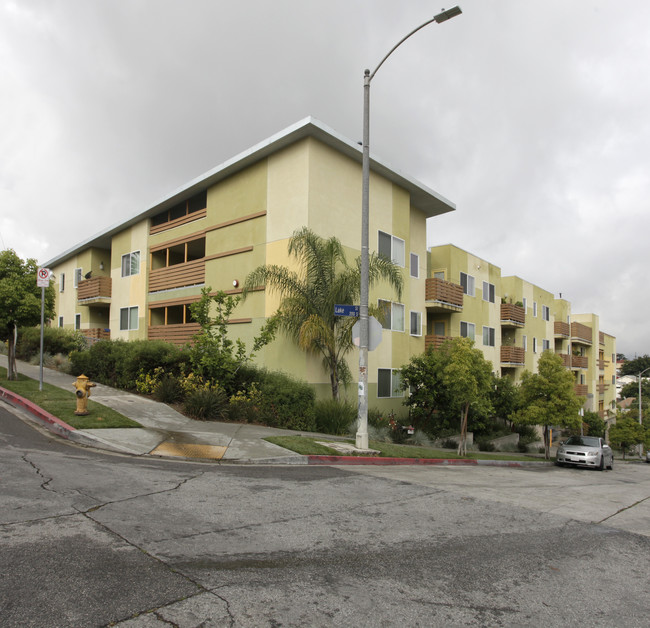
{"x": 43, "y": 277}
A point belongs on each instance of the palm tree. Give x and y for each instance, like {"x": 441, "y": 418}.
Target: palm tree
{"x": 308, "y": 297}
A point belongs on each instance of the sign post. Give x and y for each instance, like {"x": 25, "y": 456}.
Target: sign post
{"x": 42, "y": 281}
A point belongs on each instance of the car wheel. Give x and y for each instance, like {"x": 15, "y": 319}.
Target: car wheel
{"x": 601, "y": 466}
{"x": 611, "y": 464}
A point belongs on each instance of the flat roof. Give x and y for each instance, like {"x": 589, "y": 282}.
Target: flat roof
{"x": 422, "y": 197}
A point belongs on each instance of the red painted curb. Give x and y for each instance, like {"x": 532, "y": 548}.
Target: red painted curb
{"x": 58, "y": 426}
{"x": 371, "y": 460}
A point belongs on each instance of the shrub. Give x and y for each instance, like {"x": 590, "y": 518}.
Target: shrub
{"x": 527, "y": 434}
{"x": 485, "y": 445}
{"x": 419, "y": 438}
{"x": 168, "y": 389}
{"x": 55, "y": 340}
{"x": 245, "y": 405}
{"x": 333, "y": 417}
{"x": 286, "y": 402}
{"x": 206, "y": 405}
{"x": 449, "y": 443}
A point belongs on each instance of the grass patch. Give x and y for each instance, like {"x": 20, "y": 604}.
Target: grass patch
{"x": 302, "y": 445}
{"x": 308, "y": 447}
{"x": 62, "y": 404}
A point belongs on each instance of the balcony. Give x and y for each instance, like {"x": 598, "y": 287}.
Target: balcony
{"x": 95, "y": 291}
{"x": 96, "y": 333}
{"x": 574, "y": 361}
{"x": 562, "y": 330}
{"x": 512, "y": 315}
{"x": 581, "y": 334}
{"x": 513, "y": 356}
{"x": 180, "y": 334}
{"x": 443, "y": 296}
{"x": 177, "y": 276}
{"x": 435, "y": 342}
{"x": 581, "y": 390}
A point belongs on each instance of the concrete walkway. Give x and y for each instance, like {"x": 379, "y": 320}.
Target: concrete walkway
{"x": 165, "y": 432}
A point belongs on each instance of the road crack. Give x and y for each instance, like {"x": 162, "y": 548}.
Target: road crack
{"x": 620, "y": 510}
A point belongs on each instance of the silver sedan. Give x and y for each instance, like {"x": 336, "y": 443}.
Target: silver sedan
{"x": 585, "y": 451}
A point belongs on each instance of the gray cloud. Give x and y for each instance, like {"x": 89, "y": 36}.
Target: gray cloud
{"x": 531, "y": 116}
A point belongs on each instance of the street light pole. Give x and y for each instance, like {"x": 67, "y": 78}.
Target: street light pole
{"x": 640, "y": 415}
{"x": 362, "y": 429}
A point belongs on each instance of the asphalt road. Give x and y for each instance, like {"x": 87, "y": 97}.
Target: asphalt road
{"x": 92, "y": 539}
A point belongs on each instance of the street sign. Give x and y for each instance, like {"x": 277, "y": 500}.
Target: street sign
{"x": 346, "y": 310}
{"x": 43, "y": 277}
{"x": 374, "y": 333}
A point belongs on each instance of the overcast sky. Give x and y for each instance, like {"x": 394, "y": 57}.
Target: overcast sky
{"x": 532, "y": 116}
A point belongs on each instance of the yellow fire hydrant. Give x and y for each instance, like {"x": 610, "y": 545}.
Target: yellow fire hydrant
{"x": 83, "y": 386}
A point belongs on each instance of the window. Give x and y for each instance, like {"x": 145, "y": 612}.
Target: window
{"x": 60, "y": 321}
{"x": 614, "y": 379}
{"x": 546, "y": 313}
{"x": 534, "y": 345}
{"x": 128, "y": 318}
{"x": 131, "y": 264}
{"x": 524, "y": 303}
{"x": 534, "y": 308}
{"x": 196, "y": 203}
{"x": 439, "y": 274}
{"x": 416, "y": 323}
{"x": 488, "y": 292}
{"x": 467, "y": 330}
{"x": 467, "y": 282}
{"x": 393, "y": 315}
{"x": 415, "y": 265}
{"x": 77, "y": 276}
{"x": 388, "y": 383}
{"x": 391, "y": 247}
{"x": 488, "y": 336}
{"x": 77, "y": 321}
{"x": 61, "y": 282}
{"x": 546, "y": 345}
{"x": 525, "y": 340}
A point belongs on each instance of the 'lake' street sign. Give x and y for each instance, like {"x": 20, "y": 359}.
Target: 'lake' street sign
{"x": 346, "y": 310}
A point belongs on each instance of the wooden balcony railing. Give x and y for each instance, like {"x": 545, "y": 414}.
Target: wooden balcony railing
{"x": 176, "y": 334}
{"x": 601, "y": 364}
{"x": 435, "y": 341}
{"x": 562, "y": 329}
{"x": 513, "y": 355}
{"x": 443, "y": 292}
{"x": 514, "y": 315}
{"x": 581, "y": 390}
{"x": 94, "y": 288}
{"x": 177, "y": 276}
{"x": 581, "y": 333}
{"x": 96, "y": 333}
{"x": 575, "y": 361}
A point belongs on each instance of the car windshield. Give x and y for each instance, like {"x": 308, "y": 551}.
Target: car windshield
{"x": 585, "y": 441}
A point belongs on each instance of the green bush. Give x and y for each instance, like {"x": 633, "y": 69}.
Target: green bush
{"x": 286, "y": 402}
{"x": 333, "y": 417}
{"x": 449, "y": 443}
{"x": 119, "y": 363}
{"x": 168, "y": 389}
{"x": 205, "y": 405}
{"x": 485, "y": 445}
{"x": 55, "y": 340}
{"x": 527, "y": 434}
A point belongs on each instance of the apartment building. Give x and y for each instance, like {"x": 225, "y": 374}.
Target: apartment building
{"x": 137, "y": 279}
{"x": 514, "y": 321}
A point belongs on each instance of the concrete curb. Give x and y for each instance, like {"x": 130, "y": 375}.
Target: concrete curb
{"x": 54, "y": 424}
{"x": 451, "y": 462}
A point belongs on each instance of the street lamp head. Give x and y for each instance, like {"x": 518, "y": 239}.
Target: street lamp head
{"x": 447, "y": 15}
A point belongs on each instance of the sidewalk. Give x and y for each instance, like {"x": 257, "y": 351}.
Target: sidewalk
{"x": 167, "y": 433}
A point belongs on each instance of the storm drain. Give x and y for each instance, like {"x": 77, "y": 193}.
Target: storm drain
{"x": 189, "y": 450}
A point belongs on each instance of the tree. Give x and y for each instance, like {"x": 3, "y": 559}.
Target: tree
{"x": 626, "y": 433}
{"x": 632, "y": 390}
{"x": 548, "y": 397}
{"x": 506, "y": 397}
{"x": 595, "y": 426}
{"x": 634, "y": 367}
{"x": 213, "y": 355}
{"x": 20, "y": 301}
{"x": 308, "y": 297}
{"x": 451, "y": 379}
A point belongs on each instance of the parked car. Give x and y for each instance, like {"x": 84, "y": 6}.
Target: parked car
{"x": 647, "y": 455}
{"x": 585, "y": 451}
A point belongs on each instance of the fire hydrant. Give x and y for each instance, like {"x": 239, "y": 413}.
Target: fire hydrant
{"x": 83, "y": 386}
